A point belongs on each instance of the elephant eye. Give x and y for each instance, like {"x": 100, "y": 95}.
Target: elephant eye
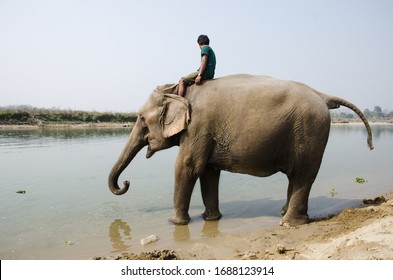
{"x": 143, "y": 121}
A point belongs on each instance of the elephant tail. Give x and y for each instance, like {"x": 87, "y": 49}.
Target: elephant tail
{"x": 333, "y": 102}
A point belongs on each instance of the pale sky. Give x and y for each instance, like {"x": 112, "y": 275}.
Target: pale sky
{"x": 109, "y": 55}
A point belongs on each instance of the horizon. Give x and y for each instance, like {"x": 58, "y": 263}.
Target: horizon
{"x": 341, "y": 109}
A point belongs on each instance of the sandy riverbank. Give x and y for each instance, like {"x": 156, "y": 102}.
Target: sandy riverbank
{"x": 353, "y": 234}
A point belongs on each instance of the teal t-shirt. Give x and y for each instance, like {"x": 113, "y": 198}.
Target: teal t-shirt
{"x": 211, "y": 62}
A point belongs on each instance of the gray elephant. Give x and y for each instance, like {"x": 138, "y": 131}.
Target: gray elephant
{"x": 243, "y": 124}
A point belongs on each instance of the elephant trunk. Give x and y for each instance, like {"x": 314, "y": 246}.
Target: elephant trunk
{"x": 134, "y": 144}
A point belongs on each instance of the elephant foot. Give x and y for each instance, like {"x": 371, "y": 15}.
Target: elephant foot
{"x": 211, "y": 215}
{"x": 180, "y": 220}
{"x": 288, "y": 221}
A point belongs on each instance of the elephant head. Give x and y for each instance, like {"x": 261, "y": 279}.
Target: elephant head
{"x": 162, "y": 117}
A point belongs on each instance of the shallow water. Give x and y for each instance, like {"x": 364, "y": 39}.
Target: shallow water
{"x": 67, "y": 211}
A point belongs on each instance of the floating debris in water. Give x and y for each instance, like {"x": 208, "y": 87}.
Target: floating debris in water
{"x": 333, "y": 192}
{"x": 68, "y": 242}
{"x": 360, "y": 180}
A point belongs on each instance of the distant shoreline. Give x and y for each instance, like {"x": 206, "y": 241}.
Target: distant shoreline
{"x": 76, "y": 125}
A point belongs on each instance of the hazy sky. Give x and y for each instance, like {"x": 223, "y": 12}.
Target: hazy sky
{"x": 109, "y": 55}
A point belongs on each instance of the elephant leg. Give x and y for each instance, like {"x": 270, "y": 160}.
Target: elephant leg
{"x": 297, "y": 207}
{"x": 295, "y": 210}
{"x": 303, "y": 171}
{"x": 209, "y": 180}
{"x": 181, "y": 201}
{"x": 185, "y": 180}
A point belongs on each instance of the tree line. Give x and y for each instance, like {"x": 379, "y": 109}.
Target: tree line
{"x": 30, "y": 115}
{"x": 376, "y": 114}
{"x": 25, "y": 114}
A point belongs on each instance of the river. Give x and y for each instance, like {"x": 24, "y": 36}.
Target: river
{"x": 55, "y": 203}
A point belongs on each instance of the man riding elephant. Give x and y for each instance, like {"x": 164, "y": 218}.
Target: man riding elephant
{"x": 205, "y": 71}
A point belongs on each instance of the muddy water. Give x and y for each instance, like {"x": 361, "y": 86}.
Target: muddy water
{"x": 65, "y": 210}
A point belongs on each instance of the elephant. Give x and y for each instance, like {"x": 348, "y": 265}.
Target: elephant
{"x": 248, "y": 124}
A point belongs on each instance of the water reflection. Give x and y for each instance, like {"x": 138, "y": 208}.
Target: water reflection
{"x": 118, "y": 239}
{"x": 381, "y": 130}
{"x": 210, "y": 229}
{"x": 378, "y": 130}
{"x": 63, "y": 133}
{"x": 120, "y": 233}
{"x": 181, "y": 233}
{"x": 48, "y": 137}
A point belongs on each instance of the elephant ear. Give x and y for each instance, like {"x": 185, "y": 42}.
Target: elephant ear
{"x": 175, "y": 115}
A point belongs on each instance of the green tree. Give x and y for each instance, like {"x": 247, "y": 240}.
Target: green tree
{"x": 368, "y": 113}
{"x": 377, "y": 113}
